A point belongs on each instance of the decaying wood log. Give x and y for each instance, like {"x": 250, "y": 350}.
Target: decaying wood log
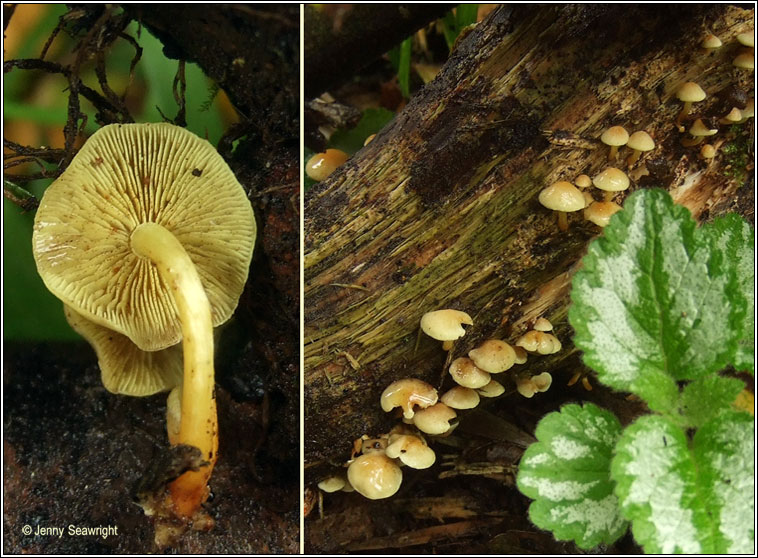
{"x": 440, "y": 210}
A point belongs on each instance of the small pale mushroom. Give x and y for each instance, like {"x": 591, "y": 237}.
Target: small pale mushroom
{"x": 689, "y": 92}
{"x": 744, "y": 61}
{"x": 698, "y": 131}
{"x": 748, "y": 111}
{"x": 321, "y": 165}
{"x": 611, "y": 180}
{"x": 435, "y": 419}
{"x": 601, "y": 212}
{"x": 542, "y": 382}
{"x": 460, "y": 397}
{"x": 583, "y": 181}
{"x": 733, "y": 117}
{"x": 562, "y": 197}
{"x": 411, "y": 450}
{"x": 467, "y": 374}
{"x": 521, "y": 355}
{"x": 542, "y": 324}
{"x": 710, "y": 42}
{"x": 332, "y": 484}
{"x": 375, "y": 476}
{"x": 407, "y": 394}
{"x": 707, "y": 151}
{"x": 746, "y": 39}
{"x": 638, "y": 142}
{"x": 615, "y": 137}
{"x": 493, "y": 356}
{"x": 445, "y": 325}
{"x": 493, "y": 389}
{"x": 539, "y": 342}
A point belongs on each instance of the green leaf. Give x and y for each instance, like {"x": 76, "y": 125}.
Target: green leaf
{"x": 465, "y": 15}
{"x": 679, "y": 500}
{"x": 404, "y": 68}
{"x": 707, "y": 398}
{"x": 567, "y": 473}
{"x": 735, "y": 238}
{"x": 656, "y": 301}
{"x": 351, "y": 141}
{"x": 725, "y": 453}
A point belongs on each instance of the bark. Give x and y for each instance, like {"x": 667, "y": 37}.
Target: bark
{"x": 441, "y": 211}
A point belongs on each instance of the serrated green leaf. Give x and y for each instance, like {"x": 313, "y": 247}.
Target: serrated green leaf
{"x": 724, "y": 449}
{"x": 567, "y": 473}
{"x": 678, "y": 500}
{"x": 735, "y": 238}
{"x": 706, "y": 398}
{"x": 655, "y": 301}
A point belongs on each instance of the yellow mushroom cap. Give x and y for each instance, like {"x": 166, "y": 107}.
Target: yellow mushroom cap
{"x": 699, "y": 128}
{"x": 583, "y": 181}
{"x": 411, "y": 450}
{"x": 375, "y": 476}
{"x": 542, "y": 382}
{"x": 460, "y": 397}
{"x": 467, "y": 374}
{"x": 435, "y": 419}
{"x": 520, "y": 354}
{"x": 493, "y": 356}
{"x": 543, "y": 324}
{"x": 493, "y": 389}
{"x": 749, "y": 109}
{"x": 601, "y": 212}
{"x": 615, "y": 136}
{"x": 526, "y": 387}
{"x": 711, "y": 41}
{"x": 744, "y": 61}
{"x": 332, "y": 484}
{"x": 641, "y": 141}
{"x": 539, "y": 342}
{"x": 707, "y": 151}
{"x": 124, "y": 367}
{"x": 611, "y": 180}
{"x": 735, "y": 115}
{"x": 445, "y": 325}
{"x": 690, "y": 92}
{"x": 126, "y": 175}
{"x": 562, "y": 196}
{"x": 746, "y": 39}
{"x": 321, "y": 165}
{"x": 407, "y": 394}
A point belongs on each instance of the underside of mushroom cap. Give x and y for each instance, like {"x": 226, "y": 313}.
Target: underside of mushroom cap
{"x": 126, "y": 175}
{"x": 124, "y": 367}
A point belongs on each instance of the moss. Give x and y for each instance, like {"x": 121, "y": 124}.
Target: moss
{"x": 737, "y": 152}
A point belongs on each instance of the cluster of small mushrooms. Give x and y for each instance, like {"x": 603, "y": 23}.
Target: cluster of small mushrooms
{"x": 563, "y": 197}
{"x": 374, "y": 469}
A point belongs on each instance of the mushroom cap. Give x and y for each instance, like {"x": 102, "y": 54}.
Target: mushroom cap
{"x": 615, "y": 136}
{"x": 460, "y": 397}
{"x": 641, "y": 141}
{"x": 321, "y": 165}
{"x": 467, "y": 374}
{"x": 708, "y": 151}
{"x": 746, "y": 39}
{"x": 749, "y": 109}
{"x": 539, "y": 342}
{"x": 521, "y": 354}
{"x": 542, "y": 382}
{"x": 435, "y": 419}
{"x": 126, "y": 175}
{"x": 583, "y": 181}
{"x": 690, "y": 92}
{"x": 562, "y": 196}
{"x": 711, "y": 41}
{"x": 124, "y": 367}
{"x": 445, "y": 325}
{"x": 526, "y": 387}
{"x": 493, "y": 389}
{"x": 375, "y": 476}
{"x": 543, "y": 324}
{"x": 611, "y": 180}
{"x": 744, "y": 61}
{"x": 332, "y": 484}
{"x": 408, "y": 393}
{"x": 699, "y": 128}
{"x": 493, "y": 356}
{"x": 735, "y": 115}
{"x": 600, "y": 212}
{"x": 412, "y": 451}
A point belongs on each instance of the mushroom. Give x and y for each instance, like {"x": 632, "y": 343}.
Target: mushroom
{"x": 148, "y": 234}
{"x": 375, "y": 476}
{"x": 734, "y": 117}
{"x": 445, "y": 325}
{"x": 707, "y": 151}
{"x": 539, "y": 342}
{"x": 411, "y": 450}
{"x": 493, "y": 356}
{"x": 710, "y": 42}
{"x": 746, "y": 39}
{"x": 493, "y": 389}
{"x": 407, "y": 394}
{"x": 615, "y": 136}
{"x": 611, "y": 180}
{"x": 638, "y": 142}
{"x": 321, "y": 165}
{"x": 332, "y": 484}
{"x": 744, "y": 61}
{"x": 600, "y": 213}
{"x": 435, "y": 419}
{"x": 535, "y": 384}
{"x": 689, "y": 92}
{"x": 467, "y": 374}
{"x": 460, "y": 397}
{"x": 562, "y": 197}
{"x": 543, "y": 324}
{"x": 583, "y": 181}
{"x": 698, "y": 131}
{"x": 520, "y": 355}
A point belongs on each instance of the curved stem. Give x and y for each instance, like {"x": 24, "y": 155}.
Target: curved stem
{"x": 198, "y": 423}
